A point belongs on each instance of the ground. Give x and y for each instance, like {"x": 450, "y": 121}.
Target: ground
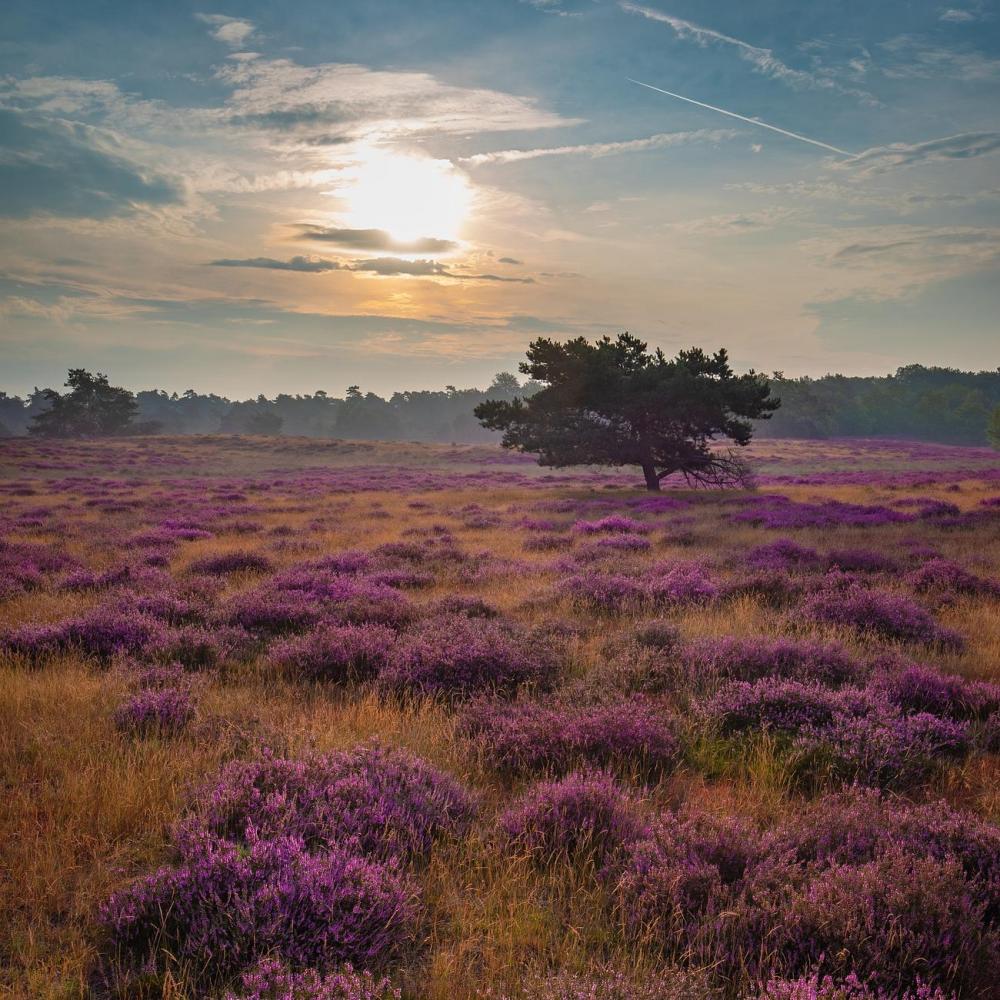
{"x": 573, "y": 563}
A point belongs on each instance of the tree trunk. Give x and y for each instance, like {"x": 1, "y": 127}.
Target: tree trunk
{"x": 652, "y": 479}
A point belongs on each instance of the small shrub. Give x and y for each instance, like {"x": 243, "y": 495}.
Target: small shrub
{"x": 163, "y": 711}
{"x": 232, "y": 562}
{"x": 270, "y": 980}
{"x": 339, "y": 653}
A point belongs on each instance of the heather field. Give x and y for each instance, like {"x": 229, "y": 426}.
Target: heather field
{"x": 287, "y": 719}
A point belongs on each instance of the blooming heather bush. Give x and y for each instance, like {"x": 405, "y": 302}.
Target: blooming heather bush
{"x": 222, "y": 907}
{"x": 232, "y": 562}
{"x": 198, "y": 647}
{"x": 679, "y": 583}
{"x": 381, "y": 803}
{"x": 881, "y": 613}
{"x": 548, "y": 543}
{"x": 921, "y": 689}
{"x": 471, "y": 607}
{"x": 946, "y": 579}
{"x": 270, "y": 980}
{"x": 769, "y": 703}
{"x": 549, "y": 736}
{"x": 781, "y": 554}
{"x": 859, "y": 825}
{"x": 896, "y": 921}
{"x": 103, "y": 633}
{"x": 455, "y": 656}
{"x": 862, "y": 561}
{"x": 335, "y": 652}
{"x": 659, "y": 635}
{"x": 267, "y": 613}
{"x": 777, "y": 588}
{"x": 611, "y": 984}
{"x": 674, "y": 886}
{"x": 586, "y": 816}
{"x": 879, "y": 746}
{"x": 730, "y": 657}
{"x": 346, "y": 599}
{"x": 614, "y": 524}
{"x": 162, "y": 711}
{"x": 815, "y": 987}
{"x": 610, "y": 594}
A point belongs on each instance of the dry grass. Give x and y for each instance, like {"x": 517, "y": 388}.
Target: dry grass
{"x": 85, "y": 808}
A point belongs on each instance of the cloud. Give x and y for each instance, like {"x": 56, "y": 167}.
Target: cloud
{"x": 896, "y": 260}
{"x": 914, "y": 58}
{"x": 662, "y": 140}
{"x": 311, "y": 265}
{"x": 233, "y": 31}
{"x": 67, "y": 169}
{"x": 386, "y": 267}
{"x": 374, "y": 240}
{"x": 764, "y": 61}
{"x": 508, "y": 260}
{"x": 344, "y": 100}
{"x": 882, "y": 159}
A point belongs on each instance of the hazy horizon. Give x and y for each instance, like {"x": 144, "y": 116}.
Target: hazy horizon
{"x": 243, "y": 200}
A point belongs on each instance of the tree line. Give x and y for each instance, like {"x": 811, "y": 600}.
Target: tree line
{"x": 921, "y": 403}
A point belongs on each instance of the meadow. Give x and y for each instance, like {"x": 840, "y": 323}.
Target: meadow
{"x": 289, "y": 718}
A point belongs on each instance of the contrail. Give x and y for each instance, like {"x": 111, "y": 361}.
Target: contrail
{"x": 743, "y": 118}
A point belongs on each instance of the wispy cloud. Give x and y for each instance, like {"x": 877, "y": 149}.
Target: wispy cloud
{"x": 387, "y": 267}
{"x": 373, "y": 239}
{"x": 911, "y": 57}
{"x": 882, "y": 159}
{"x": 763, "y": 60}
{"x": 662, "y": 140}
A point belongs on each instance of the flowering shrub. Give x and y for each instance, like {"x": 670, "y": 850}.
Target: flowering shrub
{"x": 815, "y": 987}
{"x": 584, "y": 816}
{"x": 614, "y": 524}
{"x": 921, "y": 689}
{"x": 453, "y": 655}
{"x": 471, "y": 607}
{"x": 894, "y": 921}
{"x": 222, "y": 907}
{"x": 775, "y": 587}
{"x": 381, "y": 803}
{"x": 659, "y": 587}
{"x": 102, "y": 633}
{"x": 610, "y": 984}
{"x": 945, "y": 579}
{"x": 769, "y": 703}
{"x": 880, "y": 746}
{"x": 549, "y": 736}
{"x": 232, "y": 562}
{"x": 862, "y": 561}
{"x": 881, "y": 613}
{"x": 674, "y": 885}
{"x": 162, "y": 711}
{"x": 335, "y": 652}
{"x": 266, "y": 613}
{"x": 730, "y": 657}
{"x": 782, "y": 553}
{"x": 270, "y": 980}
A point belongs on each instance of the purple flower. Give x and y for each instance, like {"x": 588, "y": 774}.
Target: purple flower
{"x": 162, "y": 711}
{"x": 232, "y": 562}
{"x": 335, "y": 652}
{"x": 270, "y": 980}
{"x": 584, "y": 816}
{"x": 456, "y": 656}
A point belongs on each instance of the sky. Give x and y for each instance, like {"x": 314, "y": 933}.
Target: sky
{"x": 401, "y": 194}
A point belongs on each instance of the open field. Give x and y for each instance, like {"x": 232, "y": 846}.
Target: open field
{"x": 697, "y": 741}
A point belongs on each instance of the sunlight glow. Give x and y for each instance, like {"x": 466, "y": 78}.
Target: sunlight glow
{"x": 408, "y": 196}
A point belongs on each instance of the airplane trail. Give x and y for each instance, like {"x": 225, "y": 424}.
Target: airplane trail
{"x": 743, "y": 118}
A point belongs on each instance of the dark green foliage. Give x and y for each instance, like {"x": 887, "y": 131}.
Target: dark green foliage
{"x": 92, "y": 408}
{"x": 925, "y": 404}
{"x": 615, "y": 403}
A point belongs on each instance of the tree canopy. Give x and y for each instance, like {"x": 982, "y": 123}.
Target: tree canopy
{"x": 93, "y": 408}
{"x": 614, "y": 402}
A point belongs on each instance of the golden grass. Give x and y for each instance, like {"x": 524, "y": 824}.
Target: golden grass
{"x": 84, "y": 808}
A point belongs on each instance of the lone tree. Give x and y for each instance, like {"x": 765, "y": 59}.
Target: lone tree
{"x": 615, "y": 403}
{"x": 92, "y": 409}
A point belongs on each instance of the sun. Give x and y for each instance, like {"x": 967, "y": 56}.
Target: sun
{"x": 408, "y": 196}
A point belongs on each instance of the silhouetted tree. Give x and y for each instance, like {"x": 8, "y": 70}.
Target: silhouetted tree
{"x": 993, "y": 429}
{"x": 264, "y": 422}
{"x": 615, "y": 403}
{"x": 93, "y": 408}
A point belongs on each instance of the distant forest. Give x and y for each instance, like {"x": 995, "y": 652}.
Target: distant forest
{"x": 926, "y": 404}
